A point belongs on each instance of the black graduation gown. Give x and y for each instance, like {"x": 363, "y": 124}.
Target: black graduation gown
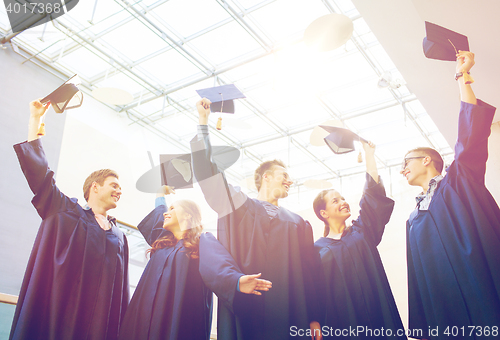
{"x": 357, "y": 291}
{"x": 76, "y": 281}
{"x": 453, "y": 248}
{"x": 170, "y": 301}
{"x": 282, "y": 249}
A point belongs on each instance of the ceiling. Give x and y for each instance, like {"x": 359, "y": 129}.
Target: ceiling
{"x": 399, "y": 26}
{"x": 162, "y": 51}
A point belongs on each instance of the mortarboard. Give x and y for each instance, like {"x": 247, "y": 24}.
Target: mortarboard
{"x": 442, "y": 43}
{"x": 67, "y": 96}
{"x": 329, "y": 32}
{"x": 176, "y": 170}
{"x": 221, "y": 97}
{"x": 341, "y": 140}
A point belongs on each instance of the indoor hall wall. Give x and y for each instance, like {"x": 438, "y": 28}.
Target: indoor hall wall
{"x": 20, "y": 84}
{"x": 97, "y": 137}
{"x": 77, "y": 142}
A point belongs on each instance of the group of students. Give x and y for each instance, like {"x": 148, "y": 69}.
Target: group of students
{"x": 272, "y": 280}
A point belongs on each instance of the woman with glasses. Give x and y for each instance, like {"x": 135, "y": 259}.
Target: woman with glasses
{"x": 357, "y": 292}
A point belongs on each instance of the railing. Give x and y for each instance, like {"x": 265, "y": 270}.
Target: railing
{"x": 7, "y": 308}
{"x": 8, "y": 299}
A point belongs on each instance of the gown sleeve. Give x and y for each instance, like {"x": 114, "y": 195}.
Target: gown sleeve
{"x": 151, "y": 227}
{"x": 48, "y": 199}
{"x": 221, "y": 196}
{"x": 375, "y": 210}
{"x": 471, "y": 149}
{"x": 219, "y": 271}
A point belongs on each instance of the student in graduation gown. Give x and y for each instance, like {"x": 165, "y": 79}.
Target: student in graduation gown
{"x": 170, "y": 301}
{"x": 76, "y": 281}
{"x": 261, "y": 237}
{"x": 453, "y": 235}
{"x": 357, "y": 291}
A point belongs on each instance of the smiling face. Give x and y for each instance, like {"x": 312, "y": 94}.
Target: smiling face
{"x": 336, "y": 208}
{"x": 414, "y": 168}
{"x": 109, "y": 193}
{"x": 170, "y": 220}
{"x": 176, "y": 219}
{"x": 278, "y": 181}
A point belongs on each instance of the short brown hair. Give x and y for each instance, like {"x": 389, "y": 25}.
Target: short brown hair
{"x": 433, "y": 154}
{"x": 263, "y": 168}
{"x": 98, "y": 176}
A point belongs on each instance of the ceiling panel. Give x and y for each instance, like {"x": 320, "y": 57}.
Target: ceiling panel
{"x": 162, "y": 51}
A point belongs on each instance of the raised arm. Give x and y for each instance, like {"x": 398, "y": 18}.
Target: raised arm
{"x": 48, "y": 198}
{"x": 465, "y": 61}
{"x": 375, "y": 210}
{"x": 221, "y": 196}
{"x": 474, "y": 127}
{"x": 371, "y": 164}
{"x": 162, "y": 195}
{"x": 37, "y": 111}
{"x": 151, "y": 227}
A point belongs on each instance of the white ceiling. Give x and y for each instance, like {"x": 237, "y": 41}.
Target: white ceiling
{"x": 399, "y": 26}
{"x": 163, "y": 50}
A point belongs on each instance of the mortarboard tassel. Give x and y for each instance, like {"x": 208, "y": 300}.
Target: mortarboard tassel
{"x": 41, "y": 130}
{"x": 467, "y": 78}
{"x": 360, "y": 157}
{"x": 219, "y": 121}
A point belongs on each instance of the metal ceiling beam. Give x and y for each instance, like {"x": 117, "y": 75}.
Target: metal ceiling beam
{"x": 163, "y": 35}
{"x": 267, "y": 45}
{"x": 100, "y": 76}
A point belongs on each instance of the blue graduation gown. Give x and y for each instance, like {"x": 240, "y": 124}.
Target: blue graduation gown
{"x": 357, "y": 291}
{"x": 454, "y": 247}
{"x": 76, "y": 281}
{"x": 170, "y": 301}
{"x": 280, "y": 248}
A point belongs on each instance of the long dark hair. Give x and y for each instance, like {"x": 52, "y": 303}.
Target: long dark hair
{"x": 191, "y": 236}
{"x": 319, "y": 204}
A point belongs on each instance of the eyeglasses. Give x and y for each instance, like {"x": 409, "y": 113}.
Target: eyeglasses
{"x": 406, "y": 160}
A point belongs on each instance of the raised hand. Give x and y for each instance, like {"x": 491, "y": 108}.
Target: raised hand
{"x": 165, "y": 190}
{"x": 203, "y": 106}
{"x": 37, "y": 109}
{"x": 465, "y": 61}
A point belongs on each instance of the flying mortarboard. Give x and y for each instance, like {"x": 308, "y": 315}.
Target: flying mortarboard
{"x": 67, "y": 96}
{"x": 341, "y": 140}
{"x": 442, "y": 43}
{"x": 175, "y": 170}
{"x": 222, "y": 98}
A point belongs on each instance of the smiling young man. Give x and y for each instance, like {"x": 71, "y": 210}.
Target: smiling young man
{"x": 76, "y": 281}
{"x": 260, "y": 237}
{"x": 453, "y": 235}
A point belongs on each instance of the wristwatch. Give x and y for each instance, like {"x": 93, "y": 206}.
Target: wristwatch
{"x": 459, "y": 74}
